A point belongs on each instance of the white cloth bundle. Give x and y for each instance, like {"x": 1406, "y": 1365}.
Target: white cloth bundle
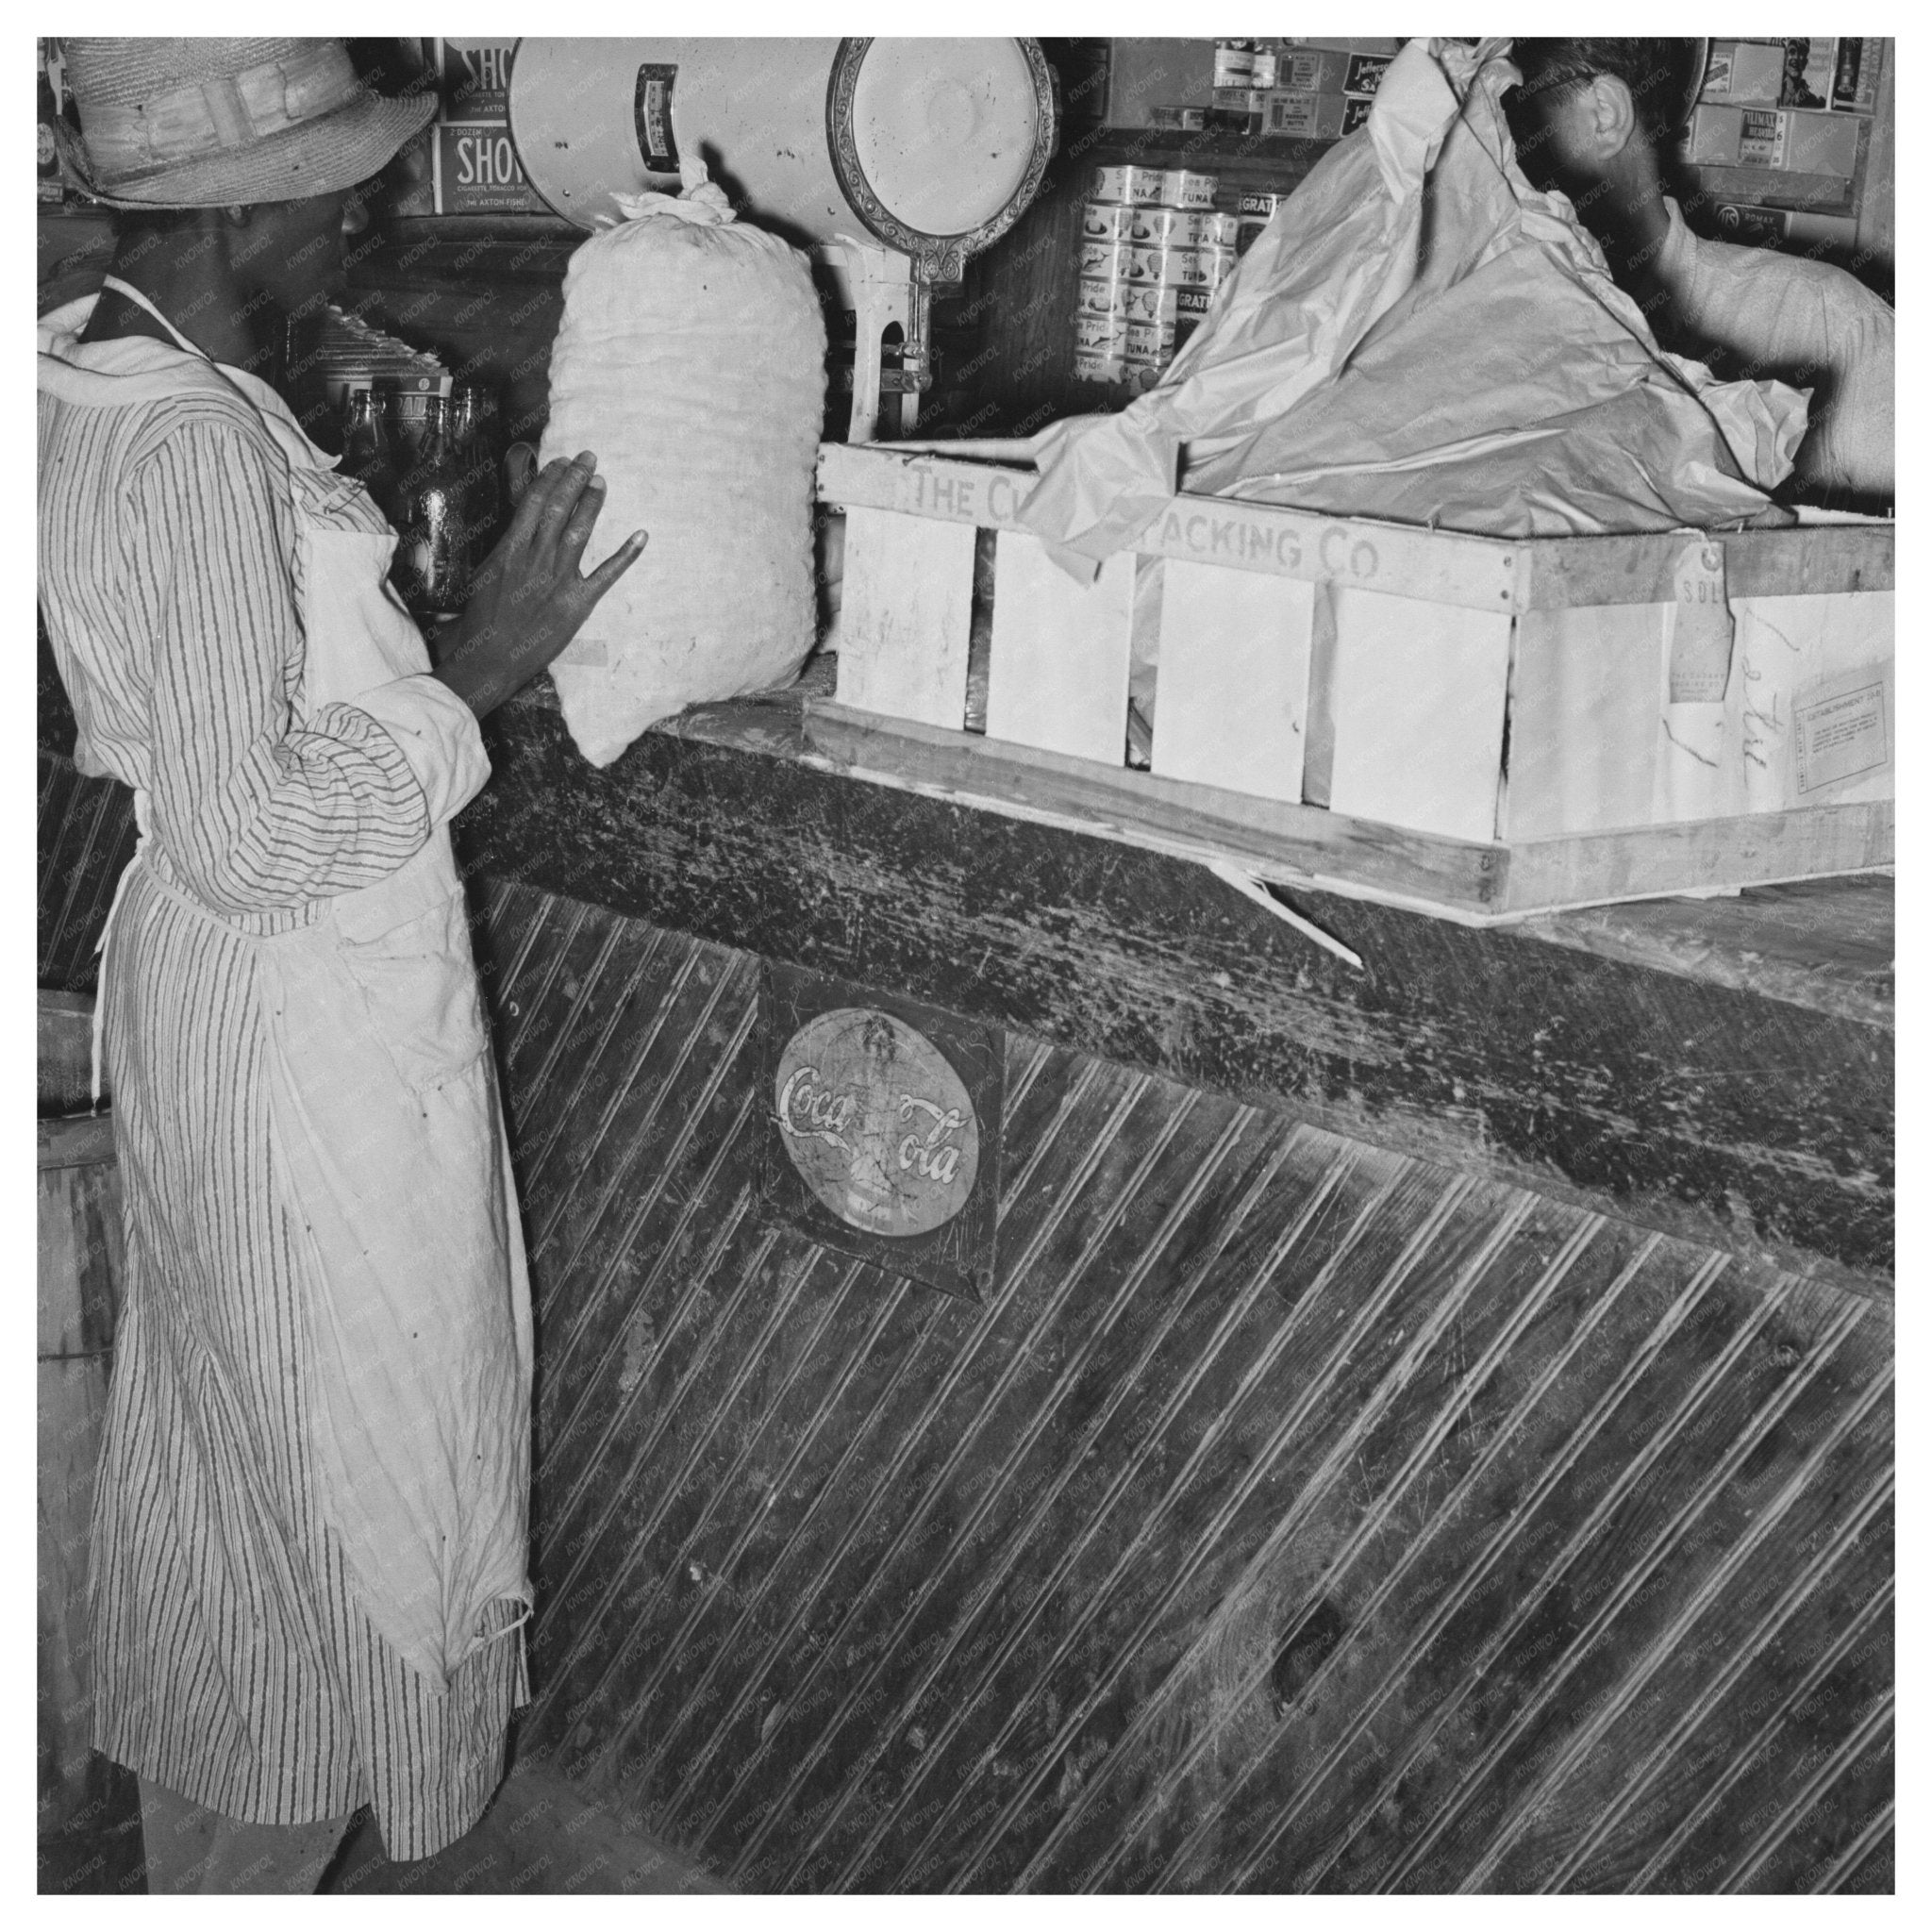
{"x": 691, "y": 358}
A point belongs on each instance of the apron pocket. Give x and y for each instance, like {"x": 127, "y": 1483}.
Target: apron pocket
{"x": 420, "y": 988}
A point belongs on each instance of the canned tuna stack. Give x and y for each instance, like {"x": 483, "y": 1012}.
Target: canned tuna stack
{"x": 1153, "y": 251}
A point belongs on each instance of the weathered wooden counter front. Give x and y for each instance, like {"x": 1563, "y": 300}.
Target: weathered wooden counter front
{"x": 1428, "y": 1427}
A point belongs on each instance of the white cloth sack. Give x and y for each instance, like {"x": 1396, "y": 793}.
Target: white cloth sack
{"x": 692, "y": 357}
{"x": 1419, "y": 335}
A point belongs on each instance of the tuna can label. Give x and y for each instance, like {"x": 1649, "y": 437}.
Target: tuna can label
{"x": 1104, "y": 297}
{"x": 1217, "y": 264}
{"x": 1099, "y": 335}
{"x": 1173, "y": 266}
{"x": 1177, "y": 267}
{"x": 1105, "y": 260}
{"x": 1261, "y": 204}
{"x": 1107, "y": 221}
{"x": 1150, "y": 342}
{"x": 1185, "y": 187}
{"x": 1149, "y": 302}
{"x": 1217, "y": 231}
{"x": 1126, "y": 184}
{"x": 1088, "y": 366}
{"x": 1193, "y": 304}
{"x": 1171, "y": 227}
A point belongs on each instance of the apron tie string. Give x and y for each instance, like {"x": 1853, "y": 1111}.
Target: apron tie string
{"x": 101, "y": 972}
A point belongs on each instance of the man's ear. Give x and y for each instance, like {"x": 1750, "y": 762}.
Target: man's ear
{"x": 1612, "y": 116}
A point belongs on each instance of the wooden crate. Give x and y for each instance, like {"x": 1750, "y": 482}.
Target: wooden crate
{"x": 1485, "y": 727}
{"x": 81, "y": 1269}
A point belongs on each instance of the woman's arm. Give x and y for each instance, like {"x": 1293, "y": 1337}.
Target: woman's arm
{"x": 254, "y": 809}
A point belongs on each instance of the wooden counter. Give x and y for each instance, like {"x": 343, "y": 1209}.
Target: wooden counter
{"x": 1427, "y": 1428}
{"x": 1720, "y": 1069}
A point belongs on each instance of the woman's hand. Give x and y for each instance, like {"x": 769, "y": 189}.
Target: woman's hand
{"x": 530, "y": 598}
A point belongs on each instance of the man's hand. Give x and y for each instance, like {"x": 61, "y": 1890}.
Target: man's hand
{"x": 530, "y": 598}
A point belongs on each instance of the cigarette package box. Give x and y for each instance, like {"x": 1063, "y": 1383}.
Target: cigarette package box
{"x": 1790, "y": 140}
{"x": 451, "y": 169}
{"x": 1240, "y": 101}
{"x": 1817, "y": 73}
{"x": 1725, "y": 136}
{"x": 473, "y": 79}
{"x": 1744, "y": 71}
{"x": 1302, "y": 69}
{"x": 1144, "y": 75}
{"x": 1312, "y": 117}
{"x": 464, "y": 163}
{"x": 1800, "y": 230}
{"x": 1822, "y": 143}
{"x": 1386, "y": 46}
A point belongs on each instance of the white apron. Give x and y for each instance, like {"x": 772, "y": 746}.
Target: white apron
{"x": 389, "y": 1150}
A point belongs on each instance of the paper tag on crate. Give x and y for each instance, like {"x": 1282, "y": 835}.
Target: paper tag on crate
{"x": 1701, "y": 626}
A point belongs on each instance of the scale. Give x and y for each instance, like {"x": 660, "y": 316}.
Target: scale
{"x": 889, "y": 161}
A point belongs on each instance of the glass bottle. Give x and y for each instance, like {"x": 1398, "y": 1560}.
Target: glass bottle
{"x": 432, "y": 566}
{"x": 476, "y": 448}
{"x": 366, "y": 453}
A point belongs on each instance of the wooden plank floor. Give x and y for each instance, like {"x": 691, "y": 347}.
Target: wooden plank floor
{"x": 540, "y": 1835}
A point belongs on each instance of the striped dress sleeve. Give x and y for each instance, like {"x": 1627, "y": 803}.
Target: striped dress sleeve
{"x": 255, "y": 809}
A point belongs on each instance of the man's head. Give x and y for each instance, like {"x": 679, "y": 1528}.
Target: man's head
{"x": 1597, "y": 113}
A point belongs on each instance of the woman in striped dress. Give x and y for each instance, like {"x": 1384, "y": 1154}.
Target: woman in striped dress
{"x": 307, "y": 1571}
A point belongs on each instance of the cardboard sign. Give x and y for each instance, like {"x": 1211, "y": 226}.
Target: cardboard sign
{"x": 883, "y": 1127}
{"x": 478, "y": 172}
{"x": 474, "y": 79}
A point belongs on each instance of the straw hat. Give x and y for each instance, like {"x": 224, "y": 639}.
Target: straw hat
{"x": 205, "y": 123}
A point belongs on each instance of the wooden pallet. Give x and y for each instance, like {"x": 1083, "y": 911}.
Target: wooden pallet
{"x": 1484, "y": 727}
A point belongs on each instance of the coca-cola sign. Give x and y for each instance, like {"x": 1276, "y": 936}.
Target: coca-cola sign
{"x": 883, "y": 1129}
{"x": 878, "y": 1125}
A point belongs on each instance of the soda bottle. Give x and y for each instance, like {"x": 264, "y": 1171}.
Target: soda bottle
{"x": 432, "y": 566}
{"x": 366, "y": 453}
{"x": 476, "y": 448}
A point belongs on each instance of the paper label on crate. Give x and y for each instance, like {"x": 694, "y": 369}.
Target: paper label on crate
{"x": 1701, "y": 628}
{"x": 1841, "y": 729}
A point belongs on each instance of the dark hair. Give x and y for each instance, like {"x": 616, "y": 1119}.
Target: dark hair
{"x": 133, "y": 222}
{"x": 1656, "y": 72}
